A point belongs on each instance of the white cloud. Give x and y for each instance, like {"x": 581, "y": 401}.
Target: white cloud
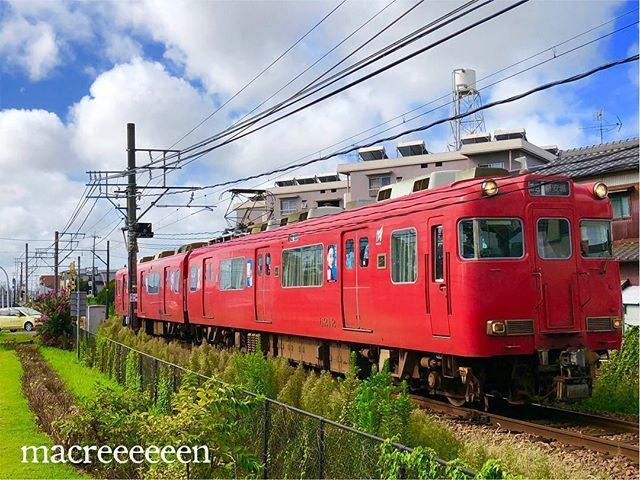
{"x": 31, "y": 46}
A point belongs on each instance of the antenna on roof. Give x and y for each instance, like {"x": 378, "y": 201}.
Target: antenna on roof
{"x": 602, "y": 125}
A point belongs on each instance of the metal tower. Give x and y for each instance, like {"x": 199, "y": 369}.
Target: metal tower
{"x": 465, "y": 99}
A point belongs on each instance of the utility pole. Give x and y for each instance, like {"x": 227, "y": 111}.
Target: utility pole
{"x": 26, "y": 272}
{"x": 106, "y": 306}
{"x": 55, "y": 264}
{"x": 132, "y": 243}
{"x": 20, "y": 285}
{"x": 78, "y": 312}
{"x": 93, "y": 266}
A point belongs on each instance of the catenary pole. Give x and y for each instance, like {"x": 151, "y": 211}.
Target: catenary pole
{"x": 131, "y": 225}
{"x": 26, "y": 272}
{"x": 106, "y": 306}
{"x": 55, "y": 263}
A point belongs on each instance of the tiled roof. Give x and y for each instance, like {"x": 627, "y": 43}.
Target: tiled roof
{"x": 626, "y": 250}
{"x": 597, "y": 159}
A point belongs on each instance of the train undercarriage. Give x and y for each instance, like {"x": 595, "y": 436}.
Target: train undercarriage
{"x": 551, "y": 375}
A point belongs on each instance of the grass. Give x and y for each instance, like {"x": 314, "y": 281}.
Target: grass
{"x": 80, "y": 380}
{"x": 18, "y": 428}
{"x": 15, "y": 338}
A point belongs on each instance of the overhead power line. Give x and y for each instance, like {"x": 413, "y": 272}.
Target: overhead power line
{"x": 540, "y": 88}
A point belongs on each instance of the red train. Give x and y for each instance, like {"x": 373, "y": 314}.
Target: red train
{"x": 481, "y": 287}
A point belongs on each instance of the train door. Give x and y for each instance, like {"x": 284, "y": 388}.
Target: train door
{"x": 209, "y": 289}
{"x": 264, "y": 284}
{"x": 555, "y": 265}
{"x": 142, "y": 293}
{"x": 438, "y": 278}
{"x": 355, "y": 279}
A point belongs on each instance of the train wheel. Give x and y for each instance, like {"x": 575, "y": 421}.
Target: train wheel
{"x": 456, "y": 401}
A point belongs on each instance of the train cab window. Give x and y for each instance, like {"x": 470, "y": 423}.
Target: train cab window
{"x": 595, "y": 238}
{"x": 232, "y": 274}
{"x": 267, "y": 264}
{"x": 259, "y": 265}
{"x": 490, "y": 238}
{"x": 554, "y": 238}
{"x": 404, "y": 256}
{"x": 349, "y": 254}
{"x": 194, "y": 278}
{"x": 437, "y": 242}
{"x": 363, "y": 247}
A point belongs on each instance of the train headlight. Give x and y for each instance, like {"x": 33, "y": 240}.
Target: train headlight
{"x": 600, "y": 190}
{"x": 496, "y": 327}
{"x": 617, "y": 323}
{"x": 489, "y": 188}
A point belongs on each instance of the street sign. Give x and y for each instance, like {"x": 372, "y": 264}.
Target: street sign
{"x": 74, "y": 304}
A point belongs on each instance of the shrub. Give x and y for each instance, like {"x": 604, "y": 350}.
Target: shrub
{"x": 56, "y": 328}
{"x": 616, "y": 388}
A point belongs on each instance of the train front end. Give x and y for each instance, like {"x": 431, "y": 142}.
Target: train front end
{"x": 550, "y": 305}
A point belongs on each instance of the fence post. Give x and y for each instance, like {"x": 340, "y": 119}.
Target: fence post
{"x": 321, "y": 450}
{"x": 156, "y": 378}
{"x": 265, "y": 439}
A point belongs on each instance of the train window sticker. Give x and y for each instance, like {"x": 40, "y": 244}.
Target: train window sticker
{"x": 382, "y": 260}
{"x": 249, "y": 273}
{"x": 379, "y": 236}
{"x": 554, "y": 238}
{"x": 233, "y": 274}
{"x": 490, "y": 238}
{"x": 404, "y": 256}
{"x": 332, "y": 263}
{"x": 363, "y": 248}
{"x": 350, "y": 255}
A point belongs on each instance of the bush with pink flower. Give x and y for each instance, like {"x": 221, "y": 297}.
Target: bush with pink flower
{"x": 56, "y": 328}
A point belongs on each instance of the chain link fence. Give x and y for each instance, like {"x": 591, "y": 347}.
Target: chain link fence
{"x": 290, "y": 442}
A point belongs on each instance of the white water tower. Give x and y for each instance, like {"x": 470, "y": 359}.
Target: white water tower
{"x": 465, "y": 99}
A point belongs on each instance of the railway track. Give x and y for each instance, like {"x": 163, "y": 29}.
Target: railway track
{"x": 523, "y": 422}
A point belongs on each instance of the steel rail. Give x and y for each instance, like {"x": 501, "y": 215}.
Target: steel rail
{"x": 568, "y": 437}
{"x": 584, "y": 418}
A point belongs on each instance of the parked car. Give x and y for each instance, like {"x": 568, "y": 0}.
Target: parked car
{"x": 19, "y": 318}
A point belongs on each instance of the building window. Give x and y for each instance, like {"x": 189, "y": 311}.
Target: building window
{"x": 621, "y": 204}
{"x": 398, "y": 179}
{"x": 302, "y": 267}
{"x": 490, "y": 238}
{"x": 232, "y": 274}
{"x": 376, "y": 182}
{"x": 554, "y": 238}
{"x": 404, "y": 256}
{"x": 438, "y": 164}
{"x": 492, "y": 165}
{"x": 424, "y": 165}
{"x": 288, "y": 205}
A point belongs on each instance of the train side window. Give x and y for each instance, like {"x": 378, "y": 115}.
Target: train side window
{"x": 175, "y": 281}
{"x": 350, "y": 255}
{"x": 152, "y": 283}
{"x": 554, "y": 238}
{"x": 437, "y": 242}
{"x": 404, "y": 256}
{"x": 259, "y": 265}
{"x": 363, "y": 247}
{"x": 490, "y": 238}
{"x": 302, "y": 266}
{"x": 194, "y": 278}
{"x": 267, "y": 264}
{"x": 232, "y": 274}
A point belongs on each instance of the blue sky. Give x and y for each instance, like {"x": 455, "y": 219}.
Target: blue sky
{"x": 72, "y": 74}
